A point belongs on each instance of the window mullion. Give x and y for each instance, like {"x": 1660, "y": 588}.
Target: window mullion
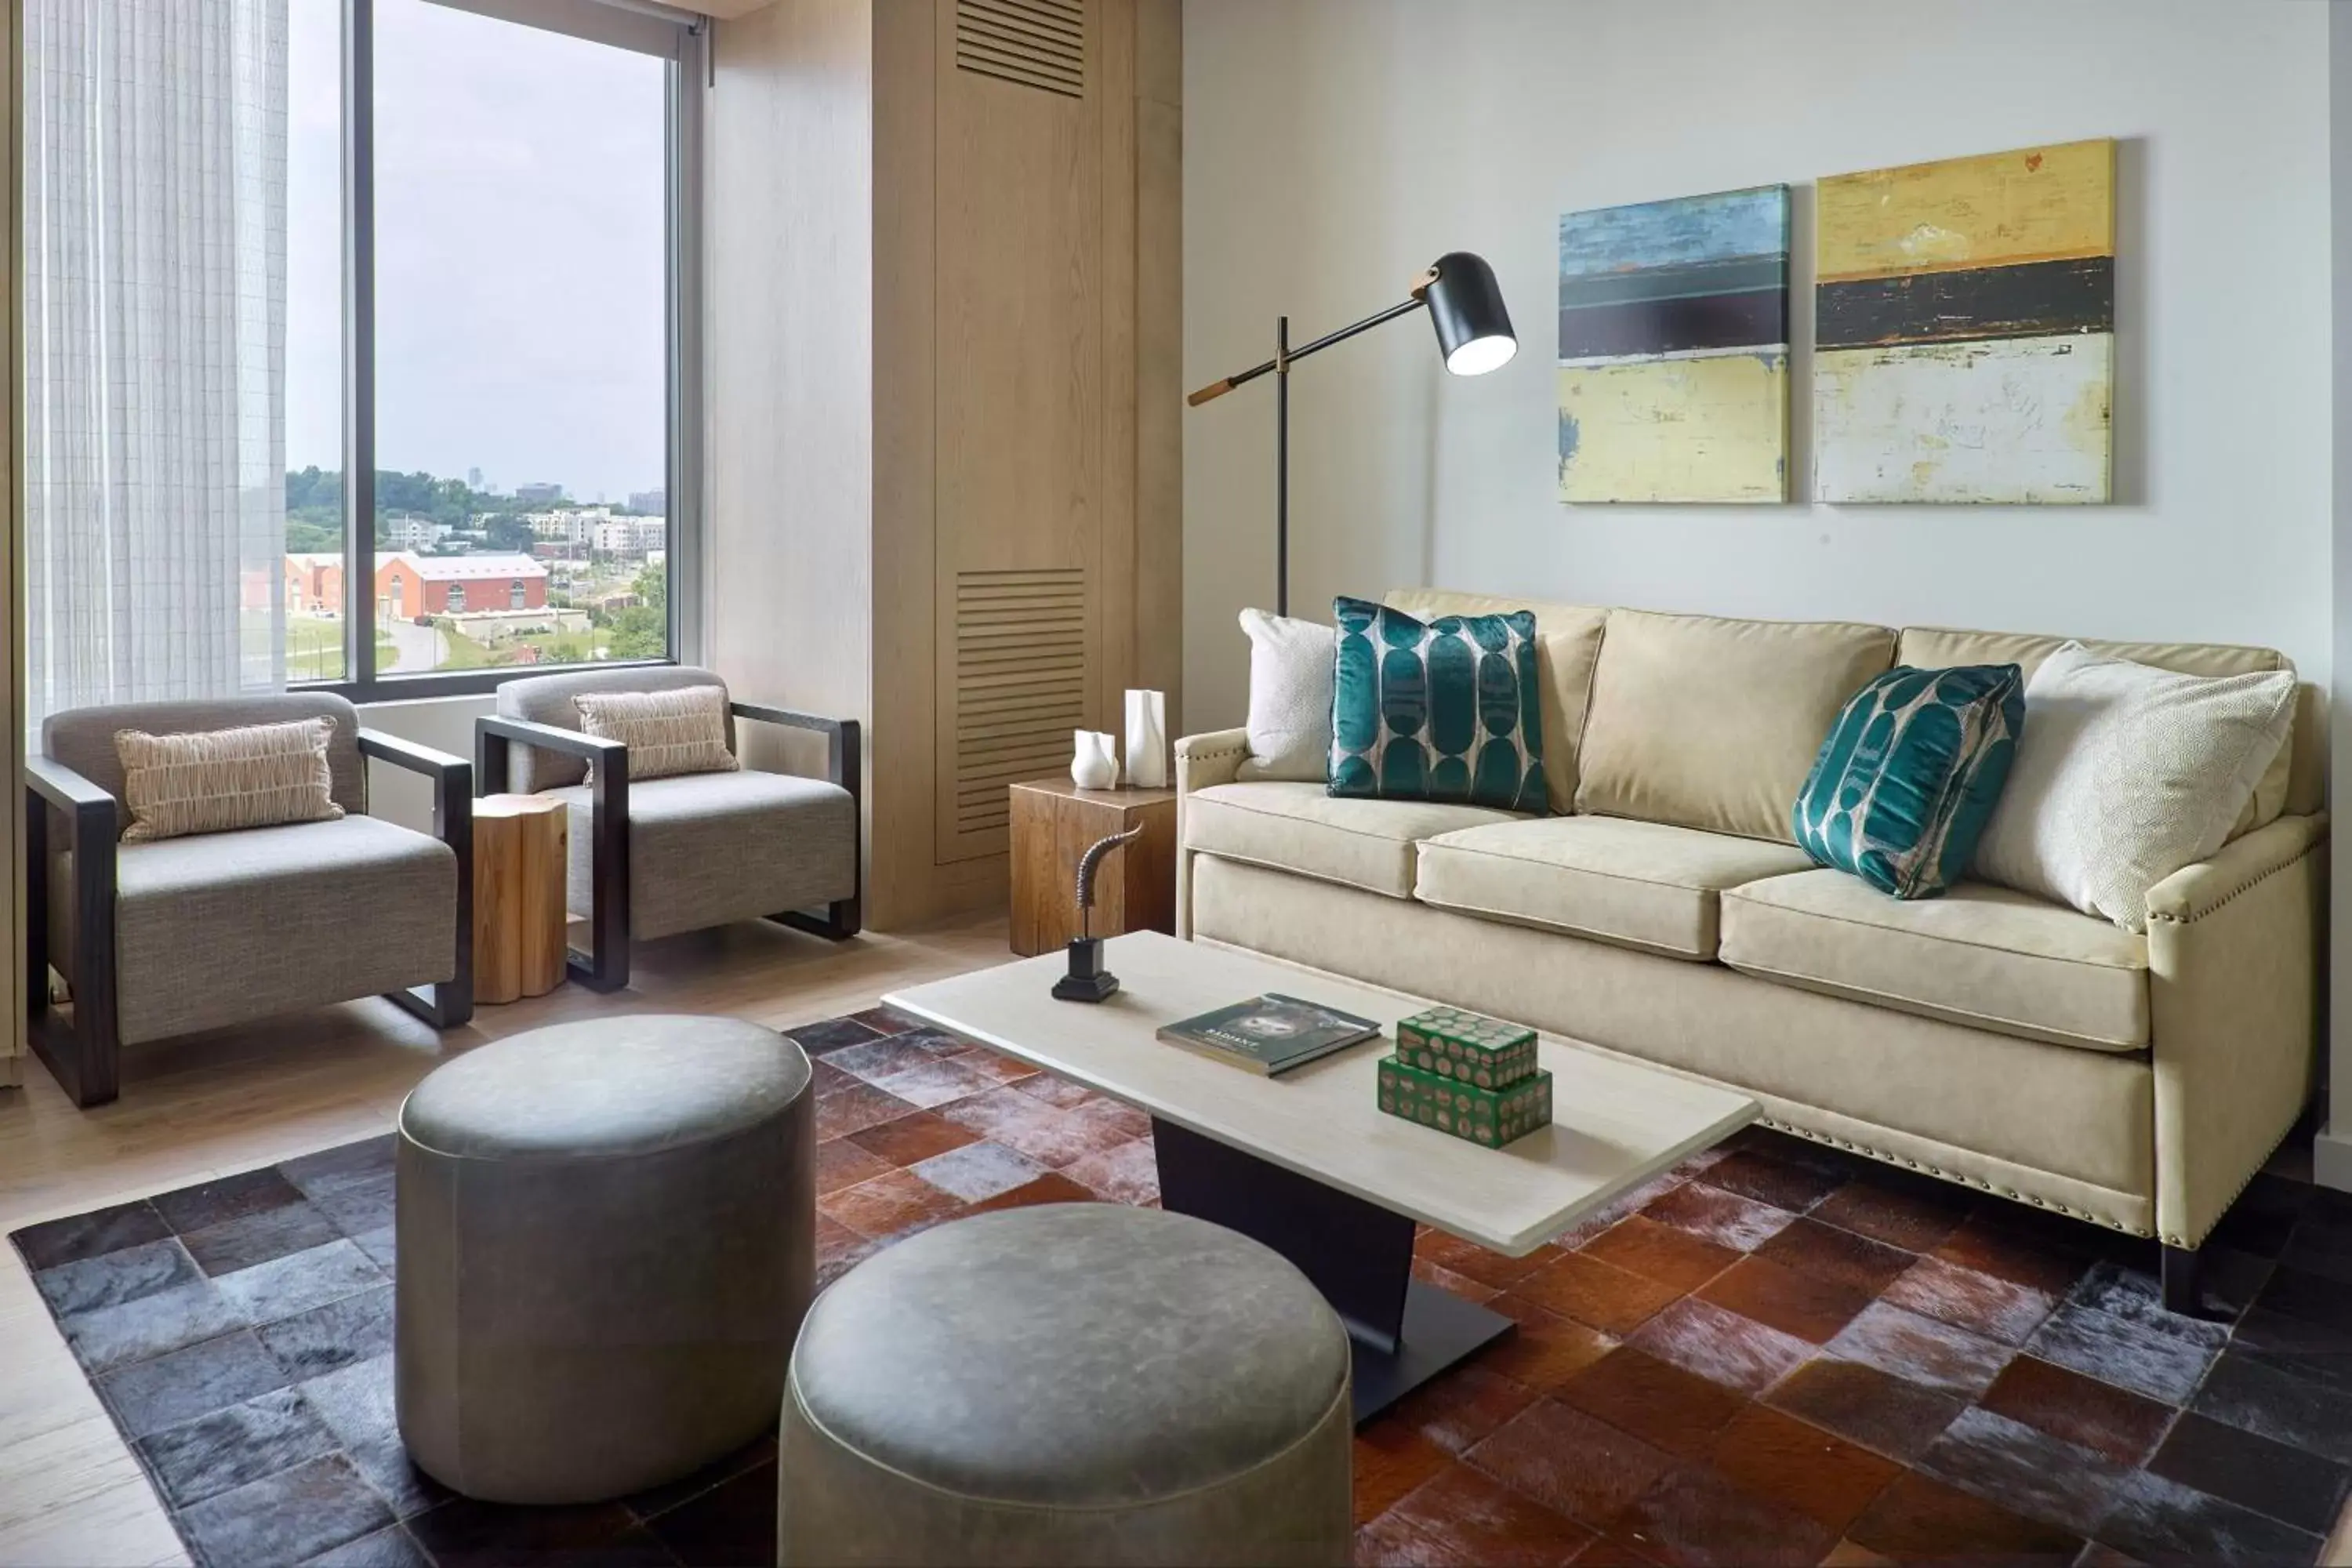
{"x": 358, "y": 340}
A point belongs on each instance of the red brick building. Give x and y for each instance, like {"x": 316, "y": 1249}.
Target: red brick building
{"x": 408, "y": 586}
{"x": 314, "y": 583}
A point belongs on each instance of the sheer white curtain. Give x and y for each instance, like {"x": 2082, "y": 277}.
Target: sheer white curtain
{"x": 154, "y": 341}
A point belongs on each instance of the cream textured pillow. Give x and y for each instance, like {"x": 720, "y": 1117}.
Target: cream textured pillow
{"x": 214, "y": 781}
{"x": 2125, "y": 774}
{"x": 1290, "y": 725}
{"x": 667, "y": 732}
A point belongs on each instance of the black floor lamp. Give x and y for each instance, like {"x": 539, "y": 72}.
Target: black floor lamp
{"x": 1473, "y": 334}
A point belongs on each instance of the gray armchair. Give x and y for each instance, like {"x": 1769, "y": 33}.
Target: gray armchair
{"x": 652, "y": 858}
{"x": 181, "y": 935}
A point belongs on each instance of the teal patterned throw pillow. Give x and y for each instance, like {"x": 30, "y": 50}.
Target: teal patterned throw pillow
{"x": 1910, "y": 774}
{"x": 1444, "y": 710}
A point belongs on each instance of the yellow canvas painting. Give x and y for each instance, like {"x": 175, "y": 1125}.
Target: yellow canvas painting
{"x": 1964, "y": 330}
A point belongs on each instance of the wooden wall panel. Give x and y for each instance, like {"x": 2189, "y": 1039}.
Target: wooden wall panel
{"x": 1024, "y": 356}
{"x": 1020, "y": 464}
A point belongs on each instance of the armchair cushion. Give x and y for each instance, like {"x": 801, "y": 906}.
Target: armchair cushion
{"x": 215, "y": 781}
{"x": 710, "y": 849}
{"x": 83, "y": 738}
{"x": 667, "y": 732}
{"x": 549, "y": 700}
{"x": 222, "y": 927}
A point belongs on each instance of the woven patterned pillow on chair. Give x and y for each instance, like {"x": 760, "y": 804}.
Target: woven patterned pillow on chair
{"x": 215, "y": 781}
{"x": 667, "y": 732}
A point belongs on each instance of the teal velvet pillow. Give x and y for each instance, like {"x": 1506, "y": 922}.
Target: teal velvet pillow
{"x": 1910, "y": 773}
{"x": 1444, "y": 709}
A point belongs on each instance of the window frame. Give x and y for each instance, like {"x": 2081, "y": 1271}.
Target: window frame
{"x": 645, "y": 27}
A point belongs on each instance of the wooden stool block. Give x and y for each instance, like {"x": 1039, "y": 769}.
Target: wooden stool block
{"x": 521, "y": 851}
{"x": 1053, "y": 821}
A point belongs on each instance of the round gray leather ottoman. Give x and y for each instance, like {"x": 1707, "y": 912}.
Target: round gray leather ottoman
{"x": 1068, "y": 1384}
{"x": 605, "y": 1245}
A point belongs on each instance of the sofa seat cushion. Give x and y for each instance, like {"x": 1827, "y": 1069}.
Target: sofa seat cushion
{"x": 1980, "y": 955}
{"x": 1640, "y": 884}
{"x": 1297, "y": 828}
{"x": 708, "y": 850}
{"x": 202, "y": 923}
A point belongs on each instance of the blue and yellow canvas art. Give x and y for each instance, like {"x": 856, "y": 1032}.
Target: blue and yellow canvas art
{"x": 1674, "y": 349}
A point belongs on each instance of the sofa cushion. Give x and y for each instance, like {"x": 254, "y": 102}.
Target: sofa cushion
{"x": 708, "y": 850}
{"x": 1713, "y": 723}
{"x": 2297, "y": 779}
{"x": 1297, "y": 828}
{"x": 1568, "y": 641}
{"x": 202, "y": 923}
{"x": 1642, "y": 884}
{"x": 1980, "y": 955}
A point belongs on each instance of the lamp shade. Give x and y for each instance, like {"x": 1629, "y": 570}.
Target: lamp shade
{"x": 1465, "y": 304}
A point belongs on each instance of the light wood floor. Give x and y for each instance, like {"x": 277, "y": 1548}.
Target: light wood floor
{"x": 70, "y": 1493}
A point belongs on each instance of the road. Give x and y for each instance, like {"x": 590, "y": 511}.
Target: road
{"x": 414, "y": 647}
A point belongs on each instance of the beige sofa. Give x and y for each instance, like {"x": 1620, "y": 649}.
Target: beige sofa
{"x": 2135, "y": 1081}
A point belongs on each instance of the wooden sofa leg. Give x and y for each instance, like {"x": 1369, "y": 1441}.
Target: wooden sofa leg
{"x": 2183, "y": 1291}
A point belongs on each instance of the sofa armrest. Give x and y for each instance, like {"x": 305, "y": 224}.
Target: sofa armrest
{"x": 845, "y": 766}
{"x": 1201, "y": 761}
{"x": 1212, "y": 759}
{"x": 607, "y": 968}
{"x": 2234, "y": 970}
{"x": 85, "y": 1056}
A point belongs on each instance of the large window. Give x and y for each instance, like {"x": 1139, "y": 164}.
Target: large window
{"x": 485, "y": 217}
{"x": 358, "y": 339}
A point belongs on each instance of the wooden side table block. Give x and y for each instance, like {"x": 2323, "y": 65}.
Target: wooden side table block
{"x": 522, "y": 849}
{"x": 1054, "y": 822}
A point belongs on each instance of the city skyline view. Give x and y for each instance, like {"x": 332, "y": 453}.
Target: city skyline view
{"x": 521, "y": 197}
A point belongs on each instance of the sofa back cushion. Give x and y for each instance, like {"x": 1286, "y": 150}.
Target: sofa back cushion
{"x": 1713, "y": 723}
{"x": 1568, "y": 640}
{"x": 2296, "y": 780}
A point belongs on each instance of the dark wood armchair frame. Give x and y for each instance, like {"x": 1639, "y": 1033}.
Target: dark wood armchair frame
{"x": 606, "y": 965}
{"x": 86, "y": 1053}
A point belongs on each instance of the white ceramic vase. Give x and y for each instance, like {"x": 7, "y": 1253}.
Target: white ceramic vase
{"x": 1094, "y": 764}
{"x": 1146, "y": 740}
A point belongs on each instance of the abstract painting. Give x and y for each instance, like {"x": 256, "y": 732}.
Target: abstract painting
{"x": 1674, "y": 349}
{"x": 1964, "y": 328}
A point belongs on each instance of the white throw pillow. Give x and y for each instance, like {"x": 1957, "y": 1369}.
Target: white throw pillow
{"x": 1290, "y": 697}
{"x": 2124, "y": 774}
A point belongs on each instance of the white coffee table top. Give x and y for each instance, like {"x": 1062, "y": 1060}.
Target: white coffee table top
{"x": 1615, "y": 1123}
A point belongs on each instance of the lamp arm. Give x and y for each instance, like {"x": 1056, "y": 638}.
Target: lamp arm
{"x": 1219, "y": 388}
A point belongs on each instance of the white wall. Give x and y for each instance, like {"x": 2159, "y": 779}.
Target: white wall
{"x": 2332, "y": 1154}
{"x": 445, "y": 723}
{"x": 1348, "y": 143}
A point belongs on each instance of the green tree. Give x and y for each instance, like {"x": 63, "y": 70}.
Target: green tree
{"x": 642, "y": 631}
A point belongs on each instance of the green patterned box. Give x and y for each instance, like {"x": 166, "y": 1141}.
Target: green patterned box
{"x": 1486, "y": 1116}
{"x": 1470, "y": 1046}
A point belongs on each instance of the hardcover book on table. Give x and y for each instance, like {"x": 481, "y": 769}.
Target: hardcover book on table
{"x": 1270, "y": 1034}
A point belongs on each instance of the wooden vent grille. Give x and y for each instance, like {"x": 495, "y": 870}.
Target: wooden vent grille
{"x": 1020, "y": 684}
{"x": 1037, "y": 43}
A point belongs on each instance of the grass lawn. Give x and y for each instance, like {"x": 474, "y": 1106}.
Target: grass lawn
{"x": 314, "y": 649}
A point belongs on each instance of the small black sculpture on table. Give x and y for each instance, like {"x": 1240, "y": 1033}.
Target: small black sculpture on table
{"x": 1088, "y": 979}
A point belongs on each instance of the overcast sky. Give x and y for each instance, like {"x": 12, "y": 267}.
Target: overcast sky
{"x": 519, "y": 251}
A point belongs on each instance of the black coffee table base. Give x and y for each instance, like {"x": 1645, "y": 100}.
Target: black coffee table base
{"x": 1358, "y": 1255}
